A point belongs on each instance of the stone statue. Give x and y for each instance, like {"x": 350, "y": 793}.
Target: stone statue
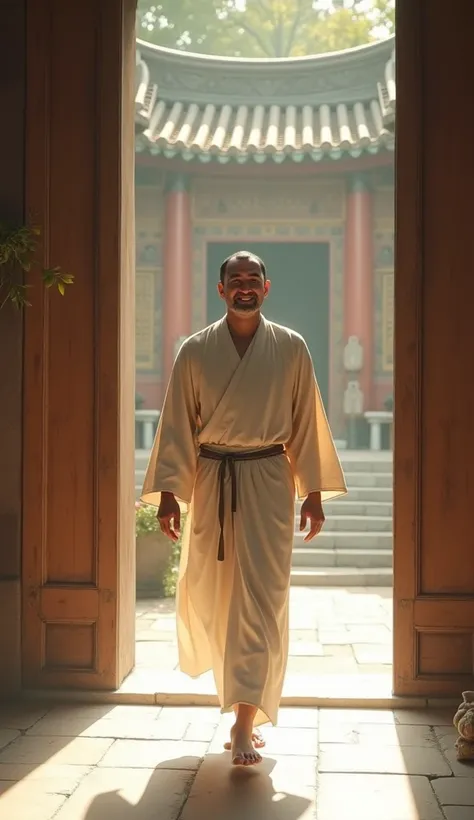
{"x": 353, "y": 355}
{"x": 353, "y": 399}
{"x": 464, "y": 723}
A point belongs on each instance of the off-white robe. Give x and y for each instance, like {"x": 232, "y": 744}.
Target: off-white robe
{"x": 232, "y": 616}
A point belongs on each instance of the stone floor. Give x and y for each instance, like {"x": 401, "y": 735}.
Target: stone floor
{"x": 104, "y": 762}
{"x": 332, "y": 632}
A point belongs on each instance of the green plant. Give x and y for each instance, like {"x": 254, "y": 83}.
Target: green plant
{"x": 146, "y": 522}
{"x": 170, "y": 578}
{"x": 18, "y": 247}
{"x": 145, "y": 519}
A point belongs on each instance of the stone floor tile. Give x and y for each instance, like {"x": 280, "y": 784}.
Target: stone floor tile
{"x": 291, "y": 741}
{"x": 330, "y": 717}
{"x": 20, "y": 801}
{"x": 297, "y": 718}
{"x": 373, "y": 653}
{"x": 83, "y": 751}
{"x": 192, "y": 714}
{"x": 446, "y": 736}
{"x": 334, "y": 650}
{"x": 425, "y": 717}
{"x": 454, "y": 791}
{"x": 128, "y": 794}
{"x": 146, "y": 754}
{"x": 7, "y": 736}
{"x": 311, "y": 649}
{"x": 304, "y": 635}
{"x": 378, "y": 734}
{"x": 458, "y": 812}
{"x": 322, "y": 666}
{"x": 374, "y": 669}
{"x": 460, "y": 768}
{"x": 370, "y": 634}
{"x": 375, "y": 797}
{"x": 202, "y": 732}
{"x": 265, "y": 792}
{"x": 50, "y": 778}
{"x": 377, "y": 759}
{"x": 20, "y": 715}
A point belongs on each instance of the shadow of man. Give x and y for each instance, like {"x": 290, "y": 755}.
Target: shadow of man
{"x": 214, "y": 790}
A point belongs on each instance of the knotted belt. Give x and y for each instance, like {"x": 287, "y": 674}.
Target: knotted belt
{"x": 228, "y": 460}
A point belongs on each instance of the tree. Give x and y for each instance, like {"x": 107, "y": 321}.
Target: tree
{"x": 264, "y": 28}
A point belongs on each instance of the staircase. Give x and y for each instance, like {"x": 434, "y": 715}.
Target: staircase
{"x": 355, "y": 546}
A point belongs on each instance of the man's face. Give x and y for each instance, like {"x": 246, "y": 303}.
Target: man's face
{"x": 244, "y": 287}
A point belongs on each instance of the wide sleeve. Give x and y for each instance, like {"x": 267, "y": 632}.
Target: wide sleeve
{"x": 311, "y": 449}
{"x": 173, "y": 459}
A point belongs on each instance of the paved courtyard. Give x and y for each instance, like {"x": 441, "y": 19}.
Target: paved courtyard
{"x": 105, "y": 762}
{"x": 343, "y": 631}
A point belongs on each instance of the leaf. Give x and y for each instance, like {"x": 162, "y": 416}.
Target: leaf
{"x": 61, "y": 288}
{"x": 264, "y": 28}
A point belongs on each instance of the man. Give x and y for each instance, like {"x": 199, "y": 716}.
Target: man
{"x": 241, "y": 428}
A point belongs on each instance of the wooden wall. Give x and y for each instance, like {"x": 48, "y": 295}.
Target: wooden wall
{"x": 12, "y": 104}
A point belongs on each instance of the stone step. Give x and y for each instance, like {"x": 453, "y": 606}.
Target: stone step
{"x": 346, "y": 540}
{"x": 345, "y": 507}
{"x": 342, "y": 576}
{"x": 358, "y": 479}
{"x": 355, "y": 523}
{"x": 366, "y": 494}
{"x": 367, "y": 466}
{"x": 339, "y": 557}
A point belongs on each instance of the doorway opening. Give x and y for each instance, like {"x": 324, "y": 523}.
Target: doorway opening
{"x": 325, "y": 232}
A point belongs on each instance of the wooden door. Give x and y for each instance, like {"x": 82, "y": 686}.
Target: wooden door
{"x": 434, "y": 396}
{"x": 78, "y": 495}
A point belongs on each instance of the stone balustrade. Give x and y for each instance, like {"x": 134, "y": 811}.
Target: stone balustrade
{"x": 146, "y": 422}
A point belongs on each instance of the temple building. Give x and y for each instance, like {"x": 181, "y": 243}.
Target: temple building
{"x": 292, "y": 159}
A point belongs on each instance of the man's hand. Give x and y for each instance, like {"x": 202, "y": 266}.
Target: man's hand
{"x": 312, "y": 509}
{"x": 169, "y": 516}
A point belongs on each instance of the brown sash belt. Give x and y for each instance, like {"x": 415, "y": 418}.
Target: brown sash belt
{"x": 228, "y": 459}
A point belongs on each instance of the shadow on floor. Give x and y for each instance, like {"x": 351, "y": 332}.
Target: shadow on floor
{"x": 217, "y": 791}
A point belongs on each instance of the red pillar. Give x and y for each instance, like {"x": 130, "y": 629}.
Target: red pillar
{"x": 358, "y": 278}
{"x": 177, "y": 268}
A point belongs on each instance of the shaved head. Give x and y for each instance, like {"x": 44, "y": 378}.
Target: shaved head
{"x": 246, "y": 256}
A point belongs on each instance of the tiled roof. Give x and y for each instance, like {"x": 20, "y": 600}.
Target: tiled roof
{"x": 226, "y": 129}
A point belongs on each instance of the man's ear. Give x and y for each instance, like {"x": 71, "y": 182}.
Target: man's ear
{"x": 268, "y": 287}
{"x": 220, "y": 290}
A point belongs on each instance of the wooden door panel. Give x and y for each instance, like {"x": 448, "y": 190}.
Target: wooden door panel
{"x": 78, "y": 516}
{"x": 434, "y": 350}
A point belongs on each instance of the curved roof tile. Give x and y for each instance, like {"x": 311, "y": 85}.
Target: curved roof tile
{"x": 261, "y": 120}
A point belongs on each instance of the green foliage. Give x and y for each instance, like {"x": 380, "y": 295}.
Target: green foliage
{"x": 264, "y": 28}
{"x": 17, "y": 258}
{"x": 146, "y": 522}
{"x": 145, "y": 519}
{"x": 170, "y": 578}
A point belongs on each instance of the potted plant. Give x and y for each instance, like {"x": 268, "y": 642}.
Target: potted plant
{"x": 18, "y": 246}
{"x": 157, "y": 557}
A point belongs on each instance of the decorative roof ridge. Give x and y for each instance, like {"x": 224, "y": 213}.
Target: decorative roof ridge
{"x": 343, "y": 76}
{"x": 381, "y": 49}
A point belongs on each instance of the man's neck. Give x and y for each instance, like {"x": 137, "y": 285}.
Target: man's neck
{"x": 243, "y": 327}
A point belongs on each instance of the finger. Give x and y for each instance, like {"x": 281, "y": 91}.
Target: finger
{"x": 303, "y": 520}
{"x": 165, "y": 524}
{"x": 315, "y": 529}
{"x": 177, "y": 521}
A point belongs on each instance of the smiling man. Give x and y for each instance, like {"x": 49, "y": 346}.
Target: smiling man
{"x": 242, "y": 431}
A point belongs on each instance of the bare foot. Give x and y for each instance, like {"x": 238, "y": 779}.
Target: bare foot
{"x": 257, "y": 739}
{"x": 242, "y": 749}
